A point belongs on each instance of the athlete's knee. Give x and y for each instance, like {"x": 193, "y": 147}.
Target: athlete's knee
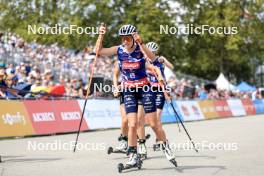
{"x": 132, "y": 124}
{"x": 124, "y": 121}
{"x": 154, "y": 126}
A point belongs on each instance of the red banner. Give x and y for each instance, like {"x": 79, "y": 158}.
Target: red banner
{"x": 222, "y": 108}
{"x": 48, "y": 117}
{"x": 248, "y": 106}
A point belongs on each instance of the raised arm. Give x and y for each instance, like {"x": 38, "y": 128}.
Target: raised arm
{"x": 99, "y": 44}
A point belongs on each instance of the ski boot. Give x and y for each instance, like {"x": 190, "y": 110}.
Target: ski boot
{"x": 142, "y": 149}
{"x": 168, "y": 153}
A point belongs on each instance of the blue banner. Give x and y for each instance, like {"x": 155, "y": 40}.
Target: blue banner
{"x": 259, "y": 105}
{"x": 168, "y": 114}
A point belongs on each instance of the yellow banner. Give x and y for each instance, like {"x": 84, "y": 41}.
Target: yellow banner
{"x": 208, "y": 109}
{"x": 14, "y": 119}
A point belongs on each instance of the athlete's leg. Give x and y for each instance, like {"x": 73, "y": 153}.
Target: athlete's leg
{"x": 131, "y": 106}
{"x": 124, "y": 127}
{"x": 142, "y": 149}
{"x": 160, "y": 101}
{"x": 149, "y": 104}
{"x": 123, "y": 144}
{"x": 141, "y": 122}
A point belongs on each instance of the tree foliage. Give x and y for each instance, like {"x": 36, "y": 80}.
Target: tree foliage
{"x": 201, "y": 55}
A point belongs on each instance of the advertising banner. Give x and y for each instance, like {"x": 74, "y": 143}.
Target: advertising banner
{"x": 190, "y": 110}
{"x": 14, "y": 119}
{"x": 236, "y": 107}
{"x": 168, "y": 115}
{"x": 222, "y": 108}
{"x": 102, "y": 113}
{"x": 208, "y": 108}
{"x": 69, "y": 115}
{"x": 248, "y": 106}
{"x": 259, "y": 106}
{"x": 49, "y": 117}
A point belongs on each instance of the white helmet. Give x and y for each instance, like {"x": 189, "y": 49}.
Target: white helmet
{"x": 152, "y": 46}
{"x": 127, "y": 30}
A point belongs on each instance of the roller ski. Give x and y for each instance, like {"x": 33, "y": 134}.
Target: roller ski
{"x": 168, "y": 153}
{"x": 142, "y": 149}
{"x": 134, "y": 162}
{"x": 121, "y": 148}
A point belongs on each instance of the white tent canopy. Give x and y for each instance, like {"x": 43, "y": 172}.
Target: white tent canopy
{"x": 223, "y": 84}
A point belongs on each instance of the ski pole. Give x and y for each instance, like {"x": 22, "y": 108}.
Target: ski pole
{"x": 177, "y": 117}
{"x": 98, "y": 43}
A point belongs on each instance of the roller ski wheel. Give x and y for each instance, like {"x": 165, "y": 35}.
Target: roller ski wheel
{"x": 139, "y": 164}
{"x": 121, "y": 167}
{"x": 174, "y": 162}
{"x": 0, "y": 159}
{"x": 156, "y": 147}
{"x": 111, "y": 150}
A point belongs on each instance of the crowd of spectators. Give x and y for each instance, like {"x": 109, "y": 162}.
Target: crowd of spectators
{"x": 186, "y": 89}
{"x": 44, "y": 67}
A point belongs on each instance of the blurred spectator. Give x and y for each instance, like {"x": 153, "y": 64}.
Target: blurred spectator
{"x": 8, "y": 92}
{"x": 203, "y": 94}
{"x": 46, "y": 66}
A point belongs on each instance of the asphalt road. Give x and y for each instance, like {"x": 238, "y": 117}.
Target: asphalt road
{"x": 231, "y": 146}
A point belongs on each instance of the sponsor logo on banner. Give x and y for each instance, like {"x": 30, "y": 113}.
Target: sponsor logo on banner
{"x": 14, "y": 119}
{"x": 222, "y": 108}
{"x": 208, "y": 109}
{"x": 190, "y": 110}
{"x": 43, "y": 117}
{"x": 70, "y": 115}
{"x": 185, "y": 110}
{"x": 249, "y": 107}
{"x": 236, "y": 107}
{"x": 49, "y": 117}
{"x": 102, "y": 113}
{"x": 196, "y": 110}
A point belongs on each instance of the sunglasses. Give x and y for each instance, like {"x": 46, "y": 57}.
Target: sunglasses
{"x": 126, "y": 38}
